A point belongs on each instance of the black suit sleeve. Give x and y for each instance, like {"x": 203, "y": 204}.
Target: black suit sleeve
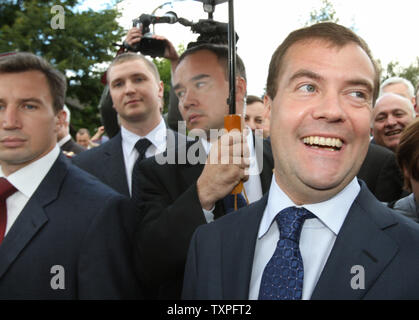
{"x": 107, "y": 268}
{"x": 381, "y": 174}
{"x": 189, "y": 283}
{"x": 390, "y": 180}
{"x": 172, "y": 212}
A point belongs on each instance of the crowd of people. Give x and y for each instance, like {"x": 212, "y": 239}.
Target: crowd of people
{"x": 322, "y": 177}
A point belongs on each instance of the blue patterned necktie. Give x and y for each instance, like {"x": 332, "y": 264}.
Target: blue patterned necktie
{"x": 283, "y": 276}
{"x": 229, "y": 201}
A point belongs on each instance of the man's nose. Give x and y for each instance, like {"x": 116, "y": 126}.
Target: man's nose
{"x": 189, "y": 99}
{"x": 330, "y": 108}
{"x": 10, "y": 118}
{"x": 390, "y": 121}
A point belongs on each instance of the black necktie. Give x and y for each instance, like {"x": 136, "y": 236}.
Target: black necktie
{"x": 141, "y": 146}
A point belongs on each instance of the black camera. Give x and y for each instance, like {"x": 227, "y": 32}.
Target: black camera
{"x": 148, "y": 45}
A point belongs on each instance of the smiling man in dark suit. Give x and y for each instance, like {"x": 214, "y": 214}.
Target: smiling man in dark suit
{"x": 319, "y": 233}
{"x": 65, "y": 235}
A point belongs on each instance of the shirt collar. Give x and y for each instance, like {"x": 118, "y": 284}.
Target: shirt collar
{"x": 36, "y": 170}
{"x": 157, "y": 137}
{"x": 331, "y": 213}
{"x": 64, "y": 140}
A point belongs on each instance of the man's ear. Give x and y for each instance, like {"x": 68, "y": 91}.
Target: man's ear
{"x": 161, "y": 89}
{"x": 60, "y": 118}
{"x": 268, "y": 106}
{"x": 241, "y": 88}
{"x": 62, "y": 115}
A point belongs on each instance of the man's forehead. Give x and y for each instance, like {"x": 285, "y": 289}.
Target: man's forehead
{"x": 321, "y": 53}
{"x": 200, "y": 62}
{"x": 256, "y": 106}
{"x": 33, "y": 83}
{"x": 391, "y": 106}
{"x": 303, "y": 49}
{"x": 128, "y": 68}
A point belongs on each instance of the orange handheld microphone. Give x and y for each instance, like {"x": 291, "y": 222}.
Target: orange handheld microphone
{"x": 231, "y": 122}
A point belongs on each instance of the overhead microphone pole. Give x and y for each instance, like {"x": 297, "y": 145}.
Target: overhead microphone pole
{"x": 232, "y": 120}
{"x": 232, "y": 57}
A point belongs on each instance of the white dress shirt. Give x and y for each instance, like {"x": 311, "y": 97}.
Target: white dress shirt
{"x": 317, "y": 235}
{"x": 253, "y": 185}
{"x": 64, "y": 140}
{"x": 26, "y": 180}
{"x": 157, "y": 137}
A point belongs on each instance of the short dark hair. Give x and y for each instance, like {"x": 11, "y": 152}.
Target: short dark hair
{"x": 407, "y": 152}
{"x": 221, "y": 52}
{"x": 25, "y": 61}
{"x": 83, "y": 131}
{"x": 252, "y": 99}
{"x": 129, "y": 56}
{"x": 333, "y": 33}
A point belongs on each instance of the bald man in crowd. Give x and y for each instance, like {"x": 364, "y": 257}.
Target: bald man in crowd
{"x": 391, "y": 114}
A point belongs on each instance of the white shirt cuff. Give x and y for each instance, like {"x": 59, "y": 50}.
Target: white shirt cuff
{"x": 209, "y": 215}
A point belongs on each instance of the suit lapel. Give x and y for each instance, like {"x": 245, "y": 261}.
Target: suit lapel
{"x": 33, "y": 217}
{"x": 115, "y": 173}
{"x": 361, "y": 244}
{"x": 238, "y": 249}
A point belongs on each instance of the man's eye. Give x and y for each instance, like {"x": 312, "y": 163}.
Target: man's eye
{"x": 117, "y": 84}
{"x": 180, "y": 94}
{"x": 200, "y": 84}
{"x": 358, "y": 94}
{"x": 139, "y": 79}
{"x": 29, "y": 107}
{"x": 399, "y": 114}
{"x": 307, "y": 88}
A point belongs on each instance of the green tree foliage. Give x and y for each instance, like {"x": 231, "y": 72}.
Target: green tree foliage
{"x": 411, "y": 72}
{"x": 77, "y": 50}
{"x": 164, "y": 67}
{"x": 326, "y": 13}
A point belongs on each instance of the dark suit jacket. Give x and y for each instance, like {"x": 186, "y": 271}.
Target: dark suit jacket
{"x": 106, "y": 162}
{"x": 73, "y": 221}
{"x": 385, "y": 243}
{"x": 172, "y": 212}
{"x": 72, "y": 146}
{"x": 382, "y": 174}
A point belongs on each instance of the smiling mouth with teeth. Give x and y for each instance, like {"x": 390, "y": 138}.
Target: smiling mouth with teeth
{"x": 332, "y": 144}
{"x": 393, "y": 132}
